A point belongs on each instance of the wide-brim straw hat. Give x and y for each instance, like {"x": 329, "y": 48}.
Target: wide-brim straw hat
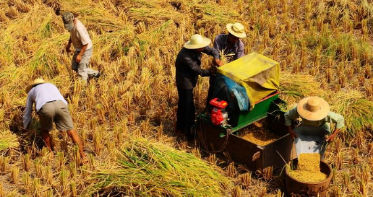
{"x": 313, "y": 108}
{"x": 36, "y": 82}
{"x": 197, "y": 42}
{"x": 236, "y": 29}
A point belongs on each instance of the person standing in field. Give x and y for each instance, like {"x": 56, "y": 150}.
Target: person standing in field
{"x": 50, "y": 107}
{"x": 188, "y": 67}
{"x": 230, "y": 46}
{"x": 79, "y": 37}
{"x": 314, "y": 111}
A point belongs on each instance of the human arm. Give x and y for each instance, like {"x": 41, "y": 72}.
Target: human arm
{"x": 331, "y": 137}
{"x": 289, "y": 117}
{"x": 241, "y": 49}
{"x": 215, "y": 53}
{"x": 339, "y": 121}
{"x": 189, "y": 61}
{"x": 68, "y": 45}
{"x": 27, "y": 112}
{"x": 80, "y": 55}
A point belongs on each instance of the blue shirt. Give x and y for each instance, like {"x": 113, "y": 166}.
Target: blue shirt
{"x": 40, "y": 94}
{"x": 221, "y": 44}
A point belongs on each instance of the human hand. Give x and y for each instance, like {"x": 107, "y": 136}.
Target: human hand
{"x": 293, "y": 135}
{"x": 330, "y": 138}
{"x": 219, "y": 62}
{"x": 68, "y": 48}
{"x": 78, "y": 58}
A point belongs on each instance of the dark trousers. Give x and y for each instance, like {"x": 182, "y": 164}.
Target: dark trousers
{"x": 185, "y": 111}
{"x": 210, "y": 92}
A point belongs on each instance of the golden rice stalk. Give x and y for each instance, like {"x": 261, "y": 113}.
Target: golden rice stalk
{"x": 245, "y": 180}
{"x": 8, "y": 140}
{"x": 36, "y": 187}
{"x": 346, "y": 179}
{"x": 231, "y": 170}
{"x": 26, "y": 162}
{"x": 4, "y": 163}
{"x": 339, "y": 161}
{"x": 27, "y": 182}
{"x": 237, "y": 191}
{"x": 74, "y": 191}
{"x": 14, "y": 175}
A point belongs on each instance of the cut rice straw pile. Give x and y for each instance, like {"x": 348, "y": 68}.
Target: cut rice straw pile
{"x": 8, "y": 140}
{"x": 150, "y": 168}
{"x": 356, "y": 110}
{"x": 351, "y": 104}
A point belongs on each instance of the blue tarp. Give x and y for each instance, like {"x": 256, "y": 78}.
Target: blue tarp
{"x": 223, "y": 83}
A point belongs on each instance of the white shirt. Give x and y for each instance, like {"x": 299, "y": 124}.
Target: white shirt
{"x": 40, "y": 94}
{"x": 79, "y": 36}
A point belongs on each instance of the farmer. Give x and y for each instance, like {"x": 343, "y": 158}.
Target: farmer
{"x": 50, "y": 107}
{"x": 314, "y": 111}
{"x": 230, "y": 46}
{"x": 82, "y": 44}
{"x": 188, "y": 67}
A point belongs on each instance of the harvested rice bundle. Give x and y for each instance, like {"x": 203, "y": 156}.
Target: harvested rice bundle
{"x": 8, "y": 140}
{"x": 149, "y": 168}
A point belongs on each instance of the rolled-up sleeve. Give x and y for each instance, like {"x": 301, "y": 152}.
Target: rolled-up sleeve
{"x": 212, "y": 52}
{"x": 337, "y": 119}
{"x": 240, "y": 50}
{"x": 291, "y": 115}
{"x": 27, "y": 112}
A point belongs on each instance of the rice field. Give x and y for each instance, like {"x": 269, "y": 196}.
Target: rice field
{"x": 126, "y": 117}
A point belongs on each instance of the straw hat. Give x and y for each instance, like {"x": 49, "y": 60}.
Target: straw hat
{"x": 197, "y": 42}
{"x": 313, "y": 108}
{"x": 237, "y": 30}
{"x": 36, "y": 82}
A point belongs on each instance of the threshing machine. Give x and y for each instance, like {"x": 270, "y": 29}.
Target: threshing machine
{"x": 246, "y": 91}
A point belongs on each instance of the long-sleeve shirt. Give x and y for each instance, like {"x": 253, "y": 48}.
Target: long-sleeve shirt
{"x": 188, "y": 66}
{"x": 40, "y": 94}
{"x": 221, "y": 44}
{"x": 323, "y": 123}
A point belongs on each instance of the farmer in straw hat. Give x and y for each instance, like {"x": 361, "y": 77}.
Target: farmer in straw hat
{"x": 83, "y": 46}
{"x": 314, "y": 111}
{"x": 50, "y": 107}
{"x": 188, "y": 67}
{"x": 231, "y": 46}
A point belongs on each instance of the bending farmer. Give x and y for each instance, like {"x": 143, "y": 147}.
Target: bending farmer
{"x": 188, "y": 67}
{"x": 50, "y": 107}
{"x": 314, "y": 111}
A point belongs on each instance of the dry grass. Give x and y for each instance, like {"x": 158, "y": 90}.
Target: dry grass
{"x": 135, "y": 44}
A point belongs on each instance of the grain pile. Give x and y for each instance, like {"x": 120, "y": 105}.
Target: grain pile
{"x": 259, "y": 134}
{"x": 308, "y": 169}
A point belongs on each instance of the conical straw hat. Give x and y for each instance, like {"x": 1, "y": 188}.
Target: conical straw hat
{"x": 197, "y": 42}
{"x": 36, "y": 82}
{"x": 313, "y": 108}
